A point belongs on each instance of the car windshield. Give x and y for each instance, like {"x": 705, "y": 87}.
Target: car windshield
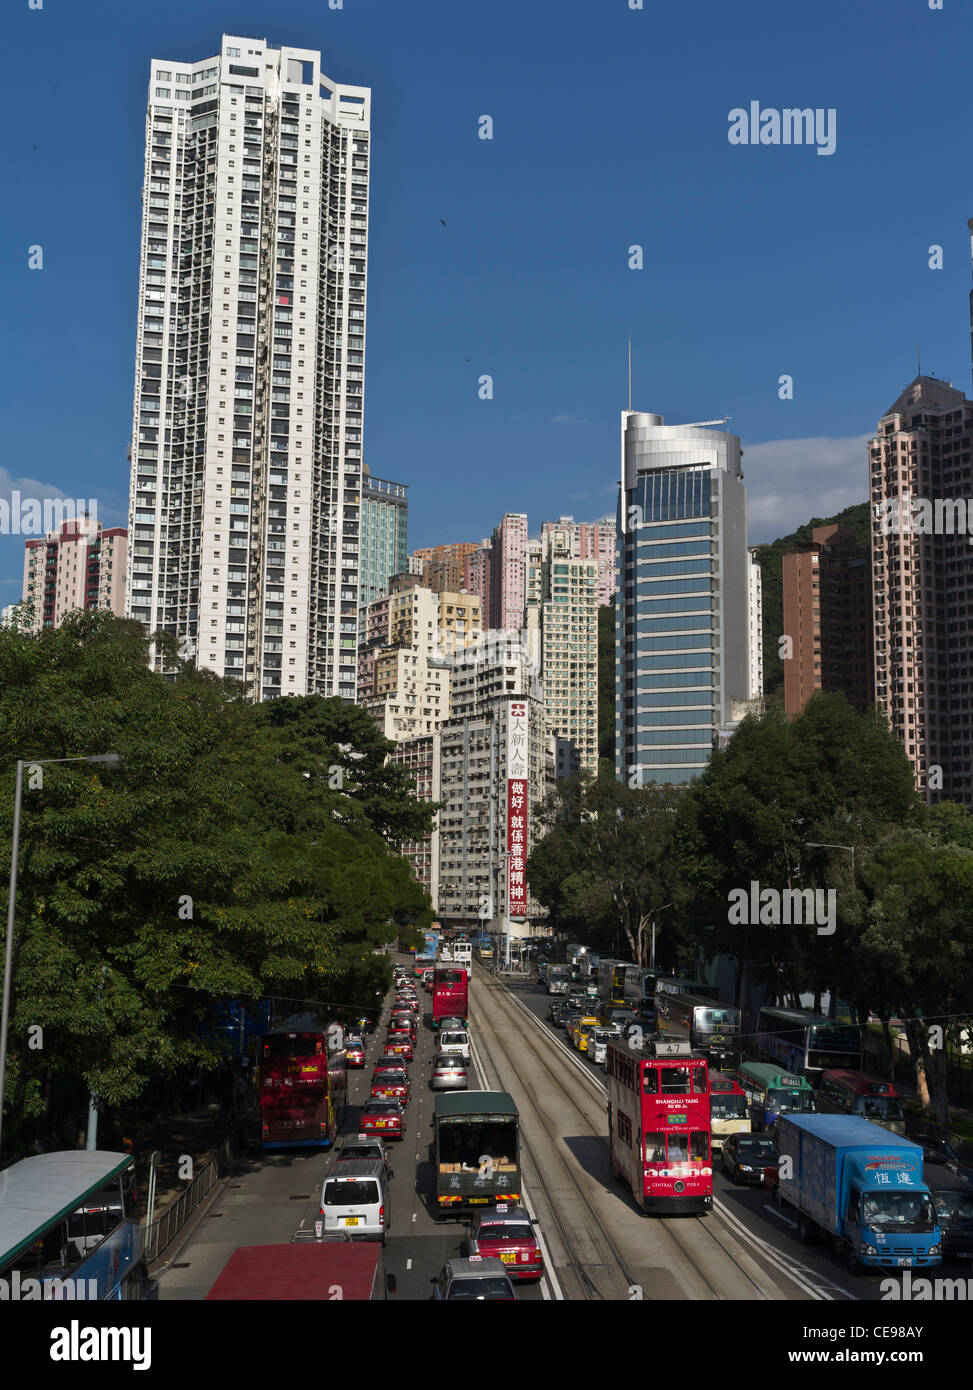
{"x": 504, "y": 1230}
{"x": 481, "y": 1286}
{"x": 449, "y": 1060}
{"x": 361, "y": 1151}
{"x": 900, "y": 1209}
{"x": 757, "y": 1147}
{"x": 954, "y": 1206}
{"x": 382, "y": 1107}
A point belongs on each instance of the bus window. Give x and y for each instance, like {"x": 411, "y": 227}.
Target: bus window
{"x": 678, "y": 1148}
{"x": 675, "y": 1081}
{"x": 699, "y": 1146}
{"x": 700, "y": 1082}
{"x": 655, "y": 1148}
{"x": 650, "y": 1081}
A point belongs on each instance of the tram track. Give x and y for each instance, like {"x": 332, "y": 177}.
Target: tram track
{"x": 579, "y": 1259}
{"x": 716, "y": 1271}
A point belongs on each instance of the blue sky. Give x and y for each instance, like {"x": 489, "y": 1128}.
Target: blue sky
{"x": 610, "y": 130}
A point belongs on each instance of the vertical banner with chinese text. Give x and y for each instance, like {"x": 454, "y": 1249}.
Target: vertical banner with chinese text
{"x": 517, "y": 801}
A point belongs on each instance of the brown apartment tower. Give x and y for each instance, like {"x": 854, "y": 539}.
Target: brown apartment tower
{"x": 827, "y": 600}
{"x": 922, "y": 582}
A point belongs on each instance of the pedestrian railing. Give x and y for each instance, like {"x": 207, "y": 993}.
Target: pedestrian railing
{"x": 158, "y": 1236}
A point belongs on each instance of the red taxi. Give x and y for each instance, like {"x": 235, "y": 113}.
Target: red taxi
{"x": 403, "y": 1021}
{"x": 399, "y": 1044}
{"x": 354, "y": 1053}
{"x": 391, "y": 1083}
{"x": 385, "y": 1117}
{"x": 507, "y": 1233}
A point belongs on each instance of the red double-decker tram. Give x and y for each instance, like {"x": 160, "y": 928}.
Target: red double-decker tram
{"x": 659, "y": 1125}
{"x": 303, "y": 1085}
{"x": 450, "y": 992}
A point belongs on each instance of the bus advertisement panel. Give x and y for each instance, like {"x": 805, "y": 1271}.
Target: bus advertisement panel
{"x": 303, "y": 1084}
{"x": 450, "y": 992}
{"x": 659, "y": 1125}
{"x": 807, "y": 1043}
{"x": 713, "y": 1029}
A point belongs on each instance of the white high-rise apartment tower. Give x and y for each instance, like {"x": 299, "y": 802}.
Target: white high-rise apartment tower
{"x": 247, "y": 437}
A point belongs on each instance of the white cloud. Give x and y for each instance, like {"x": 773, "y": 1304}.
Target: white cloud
{"x": 108, "y": 511}
{"x": 789, "y": 481}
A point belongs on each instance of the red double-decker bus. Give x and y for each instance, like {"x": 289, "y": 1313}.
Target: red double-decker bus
{"x": 659, "y": 1125}
{"x": 450, "y": 992}
{"x": 303, "y": 1084}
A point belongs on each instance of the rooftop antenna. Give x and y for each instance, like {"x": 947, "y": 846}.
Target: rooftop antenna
{"x": 630, "y": 371}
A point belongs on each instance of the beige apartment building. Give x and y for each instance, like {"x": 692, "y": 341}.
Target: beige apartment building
{"x": 922, "y": 582}
{"x": 81, "y": 565}
{"x": 562, "y": 631}
{"x": 404, "y": 663}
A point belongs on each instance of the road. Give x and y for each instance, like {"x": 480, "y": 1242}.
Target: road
{"x": 597, "y": 1245}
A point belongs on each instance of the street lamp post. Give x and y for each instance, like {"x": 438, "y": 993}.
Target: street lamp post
{"x": 107, "y": 760}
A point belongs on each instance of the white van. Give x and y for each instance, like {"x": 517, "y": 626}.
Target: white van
{"x": 454, "y": 1040}
{"x": 355, "y": 1200}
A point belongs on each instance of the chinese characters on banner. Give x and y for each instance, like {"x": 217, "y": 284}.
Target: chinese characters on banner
{"x": 517, "y": 794}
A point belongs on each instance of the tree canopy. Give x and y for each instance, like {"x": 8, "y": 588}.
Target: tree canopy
{"x": 238, "y": 851}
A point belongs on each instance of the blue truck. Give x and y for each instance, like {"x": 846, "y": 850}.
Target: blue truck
{"x": 862, "y": 1187}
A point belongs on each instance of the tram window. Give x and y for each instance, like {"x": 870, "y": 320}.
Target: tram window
{"x": 699, "y": 1145}
{"x": 678, "y": 1148}
{"x": 655, "y": 1148}
{"x": 699, "y": 1081}
{"x": 675, "y": 1081}
{"x": 650, "y": 1081}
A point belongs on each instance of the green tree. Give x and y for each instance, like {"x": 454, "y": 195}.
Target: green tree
{"x": 606, "y": 858}
{"x": 915, "y": 955}
{"x": 208, "y": 866}
{"x": 780, "y": 788}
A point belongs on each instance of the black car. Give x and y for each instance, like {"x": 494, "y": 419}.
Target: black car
{"x": 556, "y": 1008}
{"x": 939, "y": 1153}
{"x": 953, "y": 1199}
{"x": 745, "y": 1157}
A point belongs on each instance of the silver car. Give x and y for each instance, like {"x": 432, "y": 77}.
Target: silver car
{"x": 449, "y": 1072}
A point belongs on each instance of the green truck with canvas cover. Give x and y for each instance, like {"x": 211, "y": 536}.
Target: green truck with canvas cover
{"x": 475, "y": 1151}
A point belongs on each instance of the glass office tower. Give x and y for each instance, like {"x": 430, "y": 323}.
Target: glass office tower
{"x": 682, "y": 604}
